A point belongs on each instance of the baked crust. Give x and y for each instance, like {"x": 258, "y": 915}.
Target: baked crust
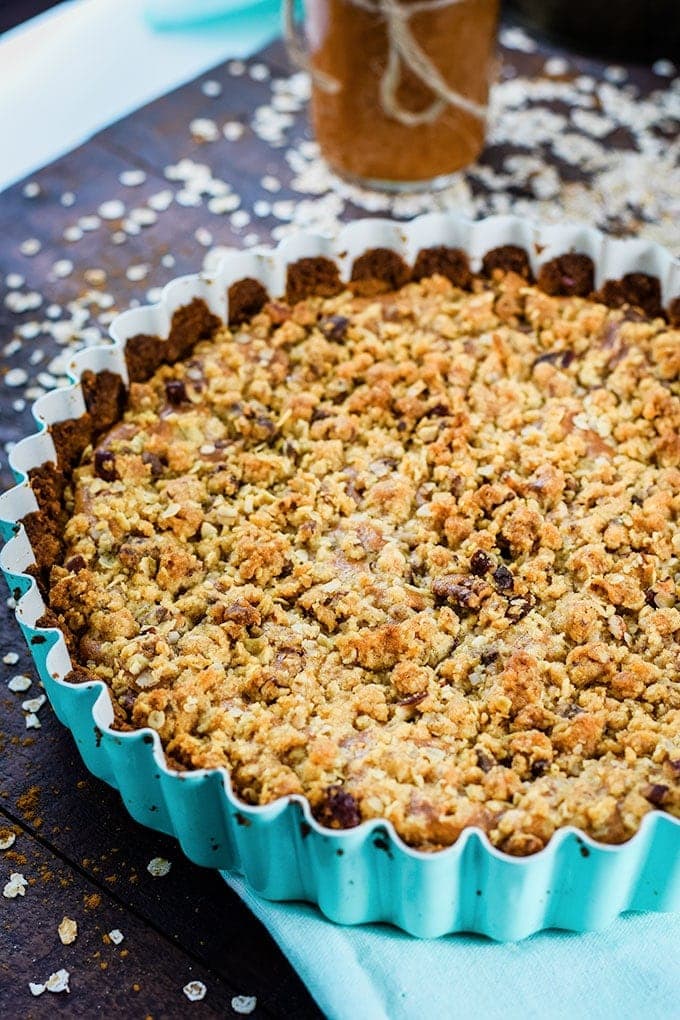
{"x": 411, "y": 554}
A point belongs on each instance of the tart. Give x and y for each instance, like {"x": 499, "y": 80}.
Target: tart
{"x": 406, "y": 547}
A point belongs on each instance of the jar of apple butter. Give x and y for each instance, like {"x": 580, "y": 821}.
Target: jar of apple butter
{"x": 399, "y": 87}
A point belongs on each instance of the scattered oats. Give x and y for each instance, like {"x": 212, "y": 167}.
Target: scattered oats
{"x": 116, "y": 936}
{"x": 615, "y": 74}
{"x": 7, "y": 841}
{"x": 143, "y": 216}
{"x": 585, "y": 82}
{"x": 262, "y": 208}
{"x": 72, "y": 234}
{"x": 195, "y": 991}
{"x": 95, "y": 277}
{"x": 556, "y": 67}
{"x": 154, "y": 294}
{"x": 271, "y": 183}
{"x": 53, "y": 311}
{"x": 20, "y": 683}
{"x": 168, "y": 261}
{"x": 32, "y": 722}
{"x": 284, "y": 210}
{"x": 16, "y": 377}
{"x": 233, "y": 130}
{"x": 579, "y": 150}
{"x": 33, "y": 392}
{"x": 34, "y": 704}
{"x": 158, "y": 867}
{"x": 29, "y": 330}
{"x": 239, "y": 219}
{"x": 188, "y": 198}
{"x": 114, "y": 209}
{"x": 60, "y": 363}
{"x": 593, "y": 124}
{"x": 517, "y": 39}
{"x": 664, "y": 68}
{"x": 14, "y": 280}
{"x": 62, "y": 268}
{"x": 131, "y": 178}
{"x": 63, "y": 332}
{"x": 118, "y": 237}
{"x": 68, "y": 931}
{"x": 30, "y": 247}
{"x": 224, "y": 204}
{"x": 58, "y": 982}
{"x": 36, "y": 357}
{"x": 250, "y": 240}
{"x": 89, "y": 222}
{"x": 214, "y": 186}
{"x": 136, "y": 273}
{"x": 204, "y": 237}
{"x": 24, "y": 302}
{"x": 270, "y": 125}
{"x": 10, "y": 658}
{"x": 31, "y": 190}
{"x": 19, "y": 405}
{"x": 15, "y": 887}
{"x": 204, "y": 130}
{"x": 12, "y": 347}
{"x": 236, "y": 67}
{"x": 259, "y": 72}
{"x": 131, "y": 228}
{"x": 35, "y": 988}
{"x": 68, "y": 199}
{"x": 211, "y": 88}
{"x": 243, "y": 1004}
{"x": 11, "y": 602}
{"x": 161, "y": 201}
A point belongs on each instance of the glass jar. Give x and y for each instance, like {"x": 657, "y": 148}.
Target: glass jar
{"x": 400, "y": 86}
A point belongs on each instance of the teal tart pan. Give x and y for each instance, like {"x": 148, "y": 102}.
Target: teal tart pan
{"x": 365, "y": 874}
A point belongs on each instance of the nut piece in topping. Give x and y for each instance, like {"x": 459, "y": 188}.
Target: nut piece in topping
{"x": 243, "y": 1004}
{"x": 334, "y": 327}
{"x": 105, "y": 465}
{"x": 503, "y": 578}
{"x": 158, "y": 867}
{"x": 176, "y": 393}
{"x": 338, "y": 809}
{"x": 480, "y": 563}
{"x": 195, "y": 991}
{"x": 68, "y": 930}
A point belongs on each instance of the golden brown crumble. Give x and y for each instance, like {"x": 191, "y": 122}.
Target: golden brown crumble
{"x": 414, "y": 556}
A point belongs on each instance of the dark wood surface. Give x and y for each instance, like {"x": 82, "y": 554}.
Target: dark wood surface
{"x": 81, "y": 854}
{"x": 13, "y": 12}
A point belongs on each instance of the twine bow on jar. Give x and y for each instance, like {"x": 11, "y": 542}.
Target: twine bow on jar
{"x": 402, "y": 51}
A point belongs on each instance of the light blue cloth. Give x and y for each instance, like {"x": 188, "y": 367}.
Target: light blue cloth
{"x": 377, "y": 973}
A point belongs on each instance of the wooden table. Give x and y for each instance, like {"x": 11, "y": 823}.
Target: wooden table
{"x": 82, "y": 855}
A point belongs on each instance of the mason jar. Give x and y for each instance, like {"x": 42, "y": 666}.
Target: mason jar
{"x": 399, "y": 87}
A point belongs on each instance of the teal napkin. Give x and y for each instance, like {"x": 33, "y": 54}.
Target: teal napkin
{"x": 377, "y": 973}
{"x": 188, "y": 13}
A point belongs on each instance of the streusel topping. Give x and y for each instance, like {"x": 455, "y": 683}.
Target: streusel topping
{"x": 415, "y": 557}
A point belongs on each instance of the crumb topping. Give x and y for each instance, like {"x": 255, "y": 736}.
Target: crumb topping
{"x": 414, "y": 556}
